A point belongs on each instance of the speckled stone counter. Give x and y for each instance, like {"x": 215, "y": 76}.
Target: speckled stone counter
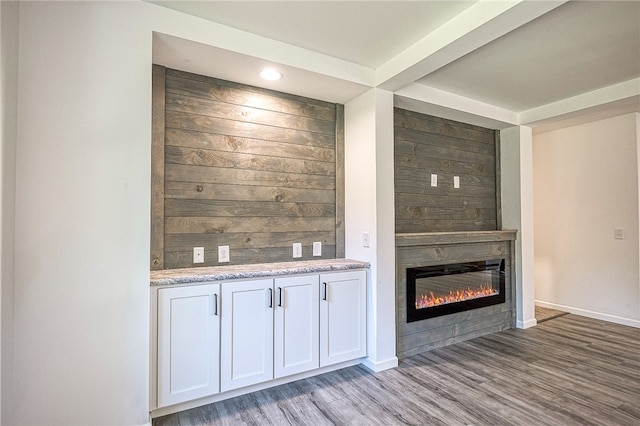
{"x": 232, "y": 272}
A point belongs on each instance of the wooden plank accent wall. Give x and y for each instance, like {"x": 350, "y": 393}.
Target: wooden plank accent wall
{"x": 250, "y": 168}
{"x": 157, "y": 168}
{"x": 426, "y": 145}
{"x": 340, "y": 235}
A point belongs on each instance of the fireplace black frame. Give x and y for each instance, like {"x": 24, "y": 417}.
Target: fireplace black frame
{"x": 414, "y": 314}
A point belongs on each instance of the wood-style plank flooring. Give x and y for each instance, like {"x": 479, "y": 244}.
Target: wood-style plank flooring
{"x": 570, "y": 370}
{"x": 545, "y": 314}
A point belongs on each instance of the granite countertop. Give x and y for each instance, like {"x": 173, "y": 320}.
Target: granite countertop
{"x": 232, "y": 272}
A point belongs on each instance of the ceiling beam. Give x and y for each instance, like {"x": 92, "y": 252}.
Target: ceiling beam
{"x": 478, "y": 25}
{"x": 626, "y": 93}
{"x": 618, "y": 99}
{"x": 428, "y": 100}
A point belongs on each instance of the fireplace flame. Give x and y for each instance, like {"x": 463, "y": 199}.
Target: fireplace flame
{"x": 431, "y": 300}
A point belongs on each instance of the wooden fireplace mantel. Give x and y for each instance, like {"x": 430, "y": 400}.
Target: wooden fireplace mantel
{"x": 441, "y": 238}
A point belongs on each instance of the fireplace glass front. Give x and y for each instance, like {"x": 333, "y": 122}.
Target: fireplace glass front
{"x": 438, "y": 290}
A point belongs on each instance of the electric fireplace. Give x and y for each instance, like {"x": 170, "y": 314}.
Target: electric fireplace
{"x": 434, "y": 291}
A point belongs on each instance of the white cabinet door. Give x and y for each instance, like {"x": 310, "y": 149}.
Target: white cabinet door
{"x": 188, "y": 343}
{"x": 247, "y": 333}
{"x": 343, "y": 316}
{"x": 296, "y": 325}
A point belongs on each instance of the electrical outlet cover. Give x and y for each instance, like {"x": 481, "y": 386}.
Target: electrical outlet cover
{"x": 297, "y": 250}
{"x": 223, "y": 254}
{"x": 198, "y": 255}
{"x": 317, "y": 248}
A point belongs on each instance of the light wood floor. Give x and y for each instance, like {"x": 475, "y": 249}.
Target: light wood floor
{"x": 569, "y": 370}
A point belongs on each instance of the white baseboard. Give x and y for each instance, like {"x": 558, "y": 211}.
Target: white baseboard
{"x": 377, "y": 366}
{"x": 526, "y": 324}
{"x": 590, "y": 314}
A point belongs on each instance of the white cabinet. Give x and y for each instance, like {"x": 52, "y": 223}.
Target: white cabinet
{"x": 343, "y": 317}
{"x": 296, "y": 325}
{"x": 188, "y": 343}
{"x": 247, "y": 333}
{"x": 214, "y": 338}
{"x": 269, "y": 329}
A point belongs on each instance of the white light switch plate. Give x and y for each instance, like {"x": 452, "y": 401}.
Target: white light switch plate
{"x": 456, "y": 182}
{"x": 223, "y": 254}
{"x": 297, "y": 250}
{"x": 317, "y": 248}
{"x": 366, "y": 239}
{"x": 198, "y": 255}
{"x": 434, "y": 179}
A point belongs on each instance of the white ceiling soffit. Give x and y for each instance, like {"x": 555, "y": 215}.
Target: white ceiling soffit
{"x": 198, "y": 58}
{"x": 431, "y": 101}
{"x": 611, "y": 101}
{"x": 367, "y": 33}
{"x": 597, "y": 113}
{"x": 577, "y": 48}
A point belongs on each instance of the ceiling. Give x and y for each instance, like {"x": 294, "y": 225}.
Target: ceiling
{"x": 516, "y": 57}
{"x": 576, "y": 48}
{"x": 342, "y": 29}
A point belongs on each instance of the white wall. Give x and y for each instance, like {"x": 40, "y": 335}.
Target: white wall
{"x": 9, "y": 15}
{"x": 585, "y": 185}
{"x": 369, "y": 207}
{"x": 82, "y": 214}
{"x": 516, "y": 177}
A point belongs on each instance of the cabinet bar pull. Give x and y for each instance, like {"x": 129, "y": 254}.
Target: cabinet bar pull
{"x": 324, "y": 296}
{"x": 215, "y": 304}
{"x": 270, "y": 298}
{"x": 279, "y": 296}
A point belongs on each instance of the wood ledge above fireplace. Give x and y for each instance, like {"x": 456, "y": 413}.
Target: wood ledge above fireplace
{"x": 441, "y": 238}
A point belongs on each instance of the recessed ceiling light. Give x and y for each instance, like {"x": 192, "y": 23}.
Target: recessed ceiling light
{"x": 271, "y": 74}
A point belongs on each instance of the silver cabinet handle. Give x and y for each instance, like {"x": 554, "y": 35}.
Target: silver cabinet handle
{"x": 279, "y": 296}
{"x": 324, "y": 293}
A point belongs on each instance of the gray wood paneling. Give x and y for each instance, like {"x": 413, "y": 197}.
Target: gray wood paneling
{"x": 250, "y": 168}
{"x": 200, "y": 87}
{"x": 498, "y": 182}
{"x": 246, "y": 145}
{"x": 340, "y": 188}
{"x": 208, "y": 191}
{"x": 426, "y": 145}
{"x": 231, "y": 176}
{"x": 243, "y": 256}
{"x": 157, "y": 168}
